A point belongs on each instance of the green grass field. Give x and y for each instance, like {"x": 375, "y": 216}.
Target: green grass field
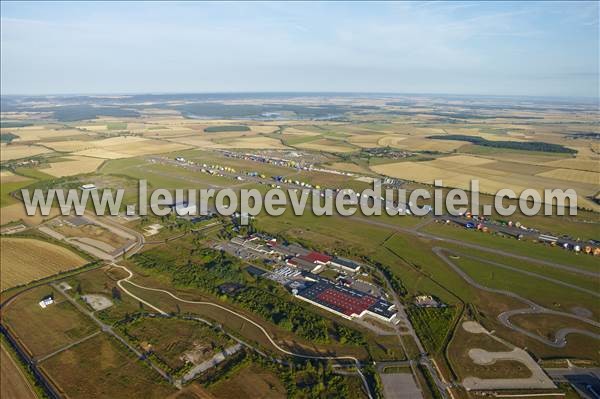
{"x": 43, "y": 331}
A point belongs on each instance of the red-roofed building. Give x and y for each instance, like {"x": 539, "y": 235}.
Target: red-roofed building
{"x": 316, "y": 257}
{"x": 349, "y": 305}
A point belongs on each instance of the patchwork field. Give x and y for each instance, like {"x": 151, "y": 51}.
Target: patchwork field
{"x": 8, "y": 152}
{"x": 257, "y": 142}
{"x": 25, "y": 260}
{"x": 572, "y": 175}
{"x": 115, "y": 147}
{"x": 326, "y": 145}
{"x": 457, "y": 171}
{"x": 74, "y": 165}
{"x": 424, "y": 144}
{"x": 592, "y": 165}
{"x": 36, "y": 133}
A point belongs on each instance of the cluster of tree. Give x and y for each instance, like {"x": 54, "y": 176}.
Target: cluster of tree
{"x": 395, "y": 282}
{"x": 433, "y": 388}
{"x": 348, "y": 335}
{"x": 283, "y": 313}
{"x": 202, "y": 268}
{"x": 432, "y": 325}
{"x": 9, "y": 124}
{"x": 227, "y": 128}
{"x": 7, "y": 137}
{"x": 513, "y": 145}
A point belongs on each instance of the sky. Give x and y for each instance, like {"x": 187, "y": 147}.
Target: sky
{"x": 489, "y": 48}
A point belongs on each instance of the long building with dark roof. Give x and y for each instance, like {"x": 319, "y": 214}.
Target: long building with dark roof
{"x": 346, "y": 302}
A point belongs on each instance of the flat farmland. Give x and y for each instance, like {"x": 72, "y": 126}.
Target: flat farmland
{"x": 36, "y": 133}
{"x": 43, "y": 331}
{"x": 390, "y": 141}
{"x": 366, "y": 140}
{"x": 571, "y": 175}
{"x": 74, "y": 165}
{"x": 25, "y": 260}
{"x": 115, "y": 147}
{"x": 591, "y": 165}
{"x": 16, "y": 212}
{"x": 327, "y": 145}
{"x": 9, "y": 177}
{"x": 15, "y": 384}
{"x": 257, "y": 142}
{"x": 251, "y": 381}
{"x": 8, "y": 152}
{"x": 101, "y": 368}
{"x": 196, "y": 141}
{"x": 457, "y": 171}
{"x": 425, "y": 144}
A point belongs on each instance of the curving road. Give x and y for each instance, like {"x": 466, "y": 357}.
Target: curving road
{"x": 534, "y": 308}
{"x": 262, "y": 329}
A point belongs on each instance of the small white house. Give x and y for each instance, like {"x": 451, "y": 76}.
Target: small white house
{"x": 46, "y": 301}
{"x": 88, "y": 187}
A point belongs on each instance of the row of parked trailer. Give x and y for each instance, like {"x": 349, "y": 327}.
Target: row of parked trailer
{"x": 519, "y": 231}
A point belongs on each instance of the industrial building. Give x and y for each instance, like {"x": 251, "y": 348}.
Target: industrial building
{"x": 346, "y": 302}
{"x": 345, "y": 264}
{"x": 305, "y": 264}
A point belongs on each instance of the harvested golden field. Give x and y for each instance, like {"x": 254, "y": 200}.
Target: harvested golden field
{"x": 9, "y": 177}
{"x": 126, "y": 146}
{"x": 25, "y": 260}
{"x": 9, "y": 152}
{"x": 531, "y": 158}
{"x": 326, "y": 145}
{"x": 15, "y": 384}
{"x": 365, "y": 140}
{"x": 16, "y": 212}
{"x": 196, "y": 141}
{"x": 300, "y": 132}
{"x": 573, "y": 175}
{"x": 257, "y": 142}
{"x": 424, "y": 144}
{"x": 94, "y": 128}
{"x": 175, "y": 131}
{"x": 390, "y": 141}
{"x": 41, "y": 134}
{"x": 100, "y": 153}
{"x": 74, "y": 166}
{"x": 591, "y": 165}
{"x": 455, "y": 174}
{"x": 263, "y": 128}
{"x": 467, "y": 160}
{"x": 70, "y": 145}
